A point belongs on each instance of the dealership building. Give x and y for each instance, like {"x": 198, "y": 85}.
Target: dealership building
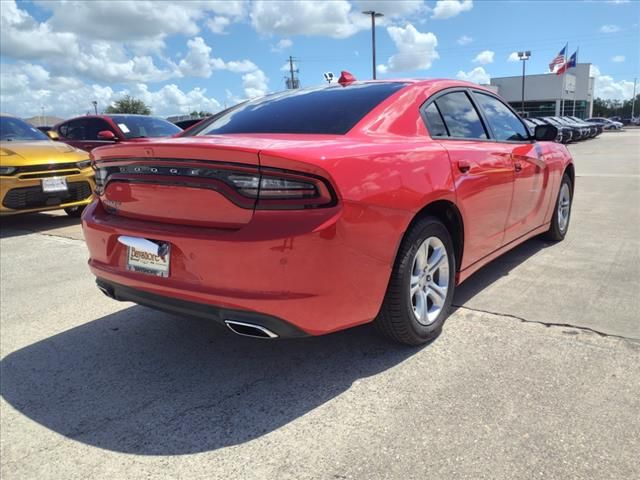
{"x": 543, "y": 94}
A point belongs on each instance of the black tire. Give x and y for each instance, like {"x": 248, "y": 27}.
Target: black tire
{"x": 556, "y": 233}
{"x": 74, "y": 212}
{"x": 396, "y": 319}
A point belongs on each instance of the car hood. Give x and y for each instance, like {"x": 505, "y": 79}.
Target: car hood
{"x": 38, "y": 152}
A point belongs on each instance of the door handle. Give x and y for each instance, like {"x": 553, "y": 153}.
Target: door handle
{"x": 517, "y": 166}
{"x": 463, "y": 166}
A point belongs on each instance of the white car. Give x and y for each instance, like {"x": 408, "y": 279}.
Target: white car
{"x": 606, "y": 123}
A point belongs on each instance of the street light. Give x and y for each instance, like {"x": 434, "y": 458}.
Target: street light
{"x": 373, "y": 35}
{"x": 524, "y": 56}
{"x": 95, "y": 106}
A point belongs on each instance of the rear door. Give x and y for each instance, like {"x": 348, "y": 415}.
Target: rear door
{"x": 482, "y": 171}
{"x": 83, "y": 133}
{"x": 531, "y": 172}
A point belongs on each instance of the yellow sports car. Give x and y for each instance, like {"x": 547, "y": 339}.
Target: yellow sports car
{"x": 39, "y": 174}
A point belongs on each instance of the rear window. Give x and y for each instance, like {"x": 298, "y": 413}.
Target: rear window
{"x": 330, "y": 110}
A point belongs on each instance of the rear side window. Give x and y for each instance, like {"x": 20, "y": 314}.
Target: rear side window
{"x": 460, "y": 116}
{"x": 435, "y": 124}
{"x": 505, "y": 125}
{"x": 332, "y": 110}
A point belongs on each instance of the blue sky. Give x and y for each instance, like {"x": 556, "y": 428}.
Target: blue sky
{"x": 180, "y": 56}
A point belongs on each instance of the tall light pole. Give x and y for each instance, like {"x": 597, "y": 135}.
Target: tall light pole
{"x": 524, "y": 56}
{"x": 95, "y": 106}
{"x": 373, "y": 36}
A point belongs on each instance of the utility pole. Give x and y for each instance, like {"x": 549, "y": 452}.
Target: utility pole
{"x": 374, "y": 15}
{"x": 524, "y": 56}
{"x": 633, "y": 101}
{"x": 292, "y": 82}
{"x": 293, "y": 85}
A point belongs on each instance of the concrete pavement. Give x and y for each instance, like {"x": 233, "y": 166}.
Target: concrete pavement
{"x": 100, "y": 389}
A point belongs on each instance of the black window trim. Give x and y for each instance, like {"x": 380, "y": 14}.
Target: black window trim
{"x": 469, "y": 92}
{"x": 473, "y": 92}
{"x": 433, "y": 98}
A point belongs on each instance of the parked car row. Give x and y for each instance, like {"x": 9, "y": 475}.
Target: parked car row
{"x": 53, "y": 171}
{"x": 570, "y": 129}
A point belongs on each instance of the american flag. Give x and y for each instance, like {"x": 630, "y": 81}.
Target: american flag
{"x": 558, "y": 62}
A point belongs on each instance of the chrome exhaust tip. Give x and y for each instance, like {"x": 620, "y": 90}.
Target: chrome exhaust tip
{"x": 107, "y": 291}
{"x": 249, "y": 330}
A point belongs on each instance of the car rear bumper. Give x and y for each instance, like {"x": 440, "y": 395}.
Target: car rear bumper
{"x": 24, "y": 195}
{"x": 317, "y": 271}
{"x": 275, "y": 327}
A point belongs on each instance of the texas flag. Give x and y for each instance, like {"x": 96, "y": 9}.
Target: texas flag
{"x": 573, "y": 59}
{"x": 558, "y": 61}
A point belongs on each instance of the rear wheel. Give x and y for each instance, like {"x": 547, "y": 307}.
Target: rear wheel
{"x": 421, "y": 287}
{"x": 562, "y": 213}
{"x": 74, "y": 212}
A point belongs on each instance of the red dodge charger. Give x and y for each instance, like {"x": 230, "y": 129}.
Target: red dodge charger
{"x": 313, "y": 210}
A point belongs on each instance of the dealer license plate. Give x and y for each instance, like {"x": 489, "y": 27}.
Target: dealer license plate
{"x": 144, "y": 262}
{"x": 54, "y": 184}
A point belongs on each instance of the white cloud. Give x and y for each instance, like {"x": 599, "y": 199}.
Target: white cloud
{"x": 609, "y": 29}
{"x": 198, "y": 61}
{"x": 464, "y": 40}
{"x": 485, "y": 57}
{"x": 255, "y": 84}
{"x": 618, "y": 2}
{"x": 135, "y": 19}
{"x": 450, "y": 8}
{"x": 26, "y": 88}
{"x": 331, "y": 19}
{"x": 382, "y": 68}
{"x": 513, "y": 57}
{"x": 23, "y": 37}
{"x": 609, "y": 89}
{"x": 284, "y": 44}
{"x": 392, "y": 8}
{"x": 416, "y": 50}
{"x": 218, "y": 25}
{"x": 618, "y": 58}
{"x": 477, "y": 75}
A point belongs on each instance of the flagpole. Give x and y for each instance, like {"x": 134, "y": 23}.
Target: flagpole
{"x": 574, "y": 91}
{"x": 564, "y": 79}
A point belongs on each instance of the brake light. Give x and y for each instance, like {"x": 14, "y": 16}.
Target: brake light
{"x": 260, "y": 188}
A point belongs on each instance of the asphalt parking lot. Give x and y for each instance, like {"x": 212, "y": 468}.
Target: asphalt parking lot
{"x": 537, "y": 373}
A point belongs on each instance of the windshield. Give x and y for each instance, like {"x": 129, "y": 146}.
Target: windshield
{"x": 16, "y": 130}
{"x": 133, "y": 126}
{"x": 332, "y": 110}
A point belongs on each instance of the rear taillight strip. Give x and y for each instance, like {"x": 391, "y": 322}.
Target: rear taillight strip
{"x": 267, "y": 188}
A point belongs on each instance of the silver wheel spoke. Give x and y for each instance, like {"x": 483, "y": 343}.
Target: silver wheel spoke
{"x": 437, "y": 259}
{"x": 428, "y": 283}
{"x": 438, "y": 294}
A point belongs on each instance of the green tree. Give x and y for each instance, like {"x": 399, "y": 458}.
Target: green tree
{"x": 128, "y": 104}
{"x": 200, "y": 114}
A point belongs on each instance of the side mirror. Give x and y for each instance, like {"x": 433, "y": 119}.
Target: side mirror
{"x": 545, "y": 133}
{"x": 107, "y": 135}
{"x": 53, "y": 135}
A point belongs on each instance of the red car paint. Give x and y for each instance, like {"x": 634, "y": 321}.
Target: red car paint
{"x": 321, "y": 269}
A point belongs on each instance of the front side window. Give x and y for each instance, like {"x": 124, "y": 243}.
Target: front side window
{"x": 16, "y": 130}
{"x": 332, "y": 110}
{"x": 460, "y": 116}
{"x": 134, "y": 126}
{"x": 505, "y": 125}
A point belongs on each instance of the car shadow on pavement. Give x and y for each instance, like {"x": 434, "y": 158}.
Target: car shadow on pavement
{"x": 24, "y": 224}
{"x": 148, "y": 383}
{"x": 497, "y": 269}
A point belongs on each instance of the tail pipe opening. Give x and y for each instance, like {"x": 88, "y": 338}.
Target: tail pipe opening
{"x": 249, "y": 329}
